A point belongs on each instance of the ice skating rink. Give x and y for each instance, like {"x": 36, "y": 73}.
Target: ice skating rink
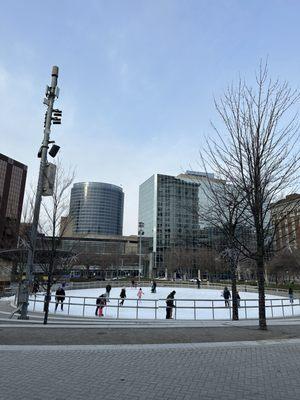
{"x": 191, "y": 303}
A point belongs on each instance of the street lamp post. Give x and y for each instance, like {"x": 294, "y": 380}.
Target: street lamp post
{"x": 55, "y": 117}
{"x": 140, "y": 232}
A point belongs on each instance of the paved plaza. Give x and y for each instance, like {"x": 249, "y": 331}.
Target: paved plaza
{"x": 87, "y": 359}
{"x": 239, "y": 371}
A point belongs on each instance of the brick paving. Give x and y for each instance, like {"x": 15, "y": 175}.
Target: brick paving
{"x": 241, "y": 371}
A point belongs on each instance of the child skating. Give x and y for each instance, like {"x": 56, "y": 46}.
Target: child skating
{"x": 140, "y": 294}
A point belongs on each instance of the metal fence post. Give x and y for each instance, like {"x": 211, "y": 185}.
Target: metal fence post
{"x": 155, "y": 311}
{"x": 83, "y": 307}
{"x": 271, "y": 301}
{"x": 69, "y": 305}
{"x": 195, "y": 310}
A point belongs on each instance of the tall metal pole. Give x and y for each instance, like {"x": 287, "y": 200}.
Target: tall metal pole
{"x": 51, "y": 94}
{"x": 141, "y": 232}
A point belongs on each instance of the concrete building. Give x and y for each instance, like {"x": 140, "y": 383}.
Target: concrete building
{"x": 285, "y": 215}
{"x": 96, "y": 208}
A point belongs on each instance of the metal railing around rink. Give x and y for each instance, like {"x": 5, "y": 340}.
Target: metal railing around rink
{"x": 185, "y": 309}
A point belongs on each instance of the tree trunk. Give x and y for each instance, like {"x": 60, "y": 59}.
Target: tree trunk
{"x": 261, "y": 293}
{"x": 235, "y": 310}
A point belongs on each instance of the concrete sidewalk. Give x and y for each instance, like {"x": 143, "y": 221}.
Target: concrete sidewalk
{"x": 232, "y": 371}
{"x": 93, "y": 331}
{"x": 57, "y": 335}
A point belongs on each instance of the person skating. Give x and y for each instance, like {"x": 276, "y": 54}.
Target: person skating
{"x": 170, "y": 305}
{"x": 140, "y": 294}
{"x": 133, "y": 283}
{"x": 35, "y": 288}
{"x": 291, "y": 295}
{"x": 198, "y": 283}
{"x": 226, "y": 295}
{"x": 108, "y": 289}
{"x": 60, "y": 296}
{"x": 153, "y": 287}
{"x": 98, "y": 303}
{"x": 122, "y": 296}
{"x": 102, "y": 304}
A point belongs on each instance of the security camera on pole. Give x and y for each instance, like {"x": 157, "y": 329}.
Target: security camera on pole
{"x": 44, "y": 187}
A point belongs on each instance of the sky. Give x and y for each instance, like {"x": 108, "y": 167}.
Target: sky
{"x": 137, "y": 79}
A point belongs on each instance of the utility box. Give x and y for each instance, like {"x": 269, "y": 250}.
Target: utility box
{"x": 49, "y": 179}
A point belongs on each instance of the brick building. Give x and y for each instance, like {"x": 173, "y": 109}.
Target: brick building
{"x": 285, "y": 215}
{"x": 12, "y": 186}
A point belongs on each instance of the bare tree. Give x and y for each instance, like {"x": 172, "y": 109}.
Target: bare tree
{"x": 52, "y": 260}
{"x": 255, "y": 153}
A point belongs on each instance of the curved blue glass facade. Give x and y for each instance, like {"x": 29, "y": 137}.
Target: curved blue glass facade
{"x": 97, "y": 208}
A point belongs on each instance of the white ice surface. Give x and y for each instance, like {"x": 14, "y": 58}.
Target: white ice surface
{"x": 186, "y": 299}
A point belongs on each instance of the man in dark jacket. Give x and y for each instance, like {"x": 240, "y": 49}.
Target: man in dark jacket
{"x": 60, "y": 296}
{"x": 153, "y": 288}
{"x": 226, "y": 295}
{"x": 170, "y": 305}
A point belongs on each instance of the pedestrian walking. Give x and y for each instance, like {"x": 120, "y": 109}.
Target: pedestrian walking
{"x": 153, "y": 287}
{"x": 291, "y": 295}
{"x": 140, "y": 294}
{"x": 60, "y": 296}
{"x": 108, "y": 289}
{"x": 122, "y": 296}
{"x": 170, "y": 305}
{"x": 226, "y": 295}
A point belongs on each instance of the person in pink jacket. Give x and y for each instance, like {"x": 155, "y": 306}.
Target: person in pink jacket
{"x": 140, "y": 294}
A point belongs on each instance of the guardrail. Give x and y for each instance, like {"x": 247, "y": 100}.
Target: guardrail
{"x": 185, "y": 309}
{"x": 164, "y": 283}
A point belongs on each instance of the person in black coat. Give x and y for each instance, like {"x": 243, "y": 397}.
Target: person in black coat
{"x": 108, "y": 289}
{"x": 226, "y": 295}
{"x": 170, "y": 305}
{"x": 153, "y": 288}
{"x": 122, "y": 296}
{"x": 60, "y": 296}
{"x": 35, "y": 288}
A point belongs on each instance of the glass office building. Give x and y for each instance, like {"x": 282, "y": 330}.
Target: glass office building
{"x": 167, "y": 209}
{"x": 97, "y": 208}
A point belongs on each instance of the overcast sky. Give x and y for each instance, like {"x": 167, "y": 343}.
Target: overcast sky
{"x": 137, "y": 79}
